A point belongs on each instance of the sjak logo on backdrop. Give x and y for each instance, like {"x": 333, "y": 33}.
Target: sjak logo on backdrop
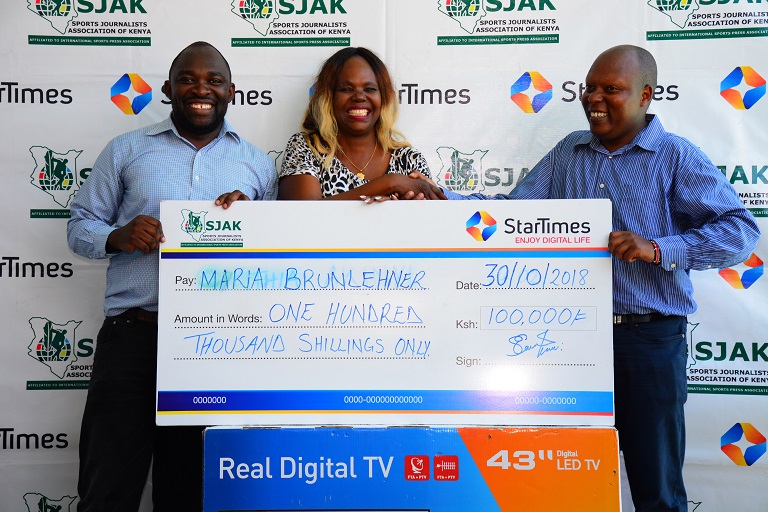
{"x": 470, "y": 14}
{"x": 63, "y": 14}
{"x": 463, "y": 172}
{"x": 53, "y": 344}
{"x": 754, "y": 87}
{"x": 683, "y": 14}
{"x": 742, "y": 279}
{"x": 57, "y": 347}
{"x": 748, "y": 433}
{"x": 37, "y": 502}
{"x": 57, "y": 174}
{"x": 263, "y": 15}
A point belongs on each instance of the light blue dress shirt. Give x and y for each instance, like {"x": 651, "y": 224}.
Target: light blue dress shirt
{"x": 133, "y": 174}
{"x": 663, "y": 188}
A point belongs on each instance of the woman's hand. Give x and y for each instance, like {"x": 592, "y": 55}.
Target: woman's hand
{"x": 415, "y": 186}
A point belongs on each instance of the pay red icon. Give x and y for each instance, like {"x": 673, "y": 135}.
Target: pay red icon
{"x": 416, "y": 467}
{"x": 446, "y": 467}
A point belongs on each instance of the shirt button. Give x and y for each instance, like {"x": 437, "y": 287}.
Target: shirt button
{"x": 610, "y": 156}
{"x": 602, "y": 185}
{"x": 673, "y": 265}
{"x": 197, "y": 178}
{"x": 709, "y": 266}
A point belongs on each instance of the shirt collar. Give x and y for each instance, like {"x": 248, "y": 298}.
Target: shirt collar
{"x": 167, "y": 125}
{"x": 649, "y": 137}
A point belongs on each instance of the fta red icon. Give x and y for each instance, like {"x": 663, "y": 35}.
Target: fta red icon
{"x": 446, "y": 467}
{"x": 416, "y": 467}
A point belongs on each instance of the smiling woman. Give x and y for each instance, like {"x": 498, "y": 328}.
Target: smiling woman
{"x": 349, "y": 147}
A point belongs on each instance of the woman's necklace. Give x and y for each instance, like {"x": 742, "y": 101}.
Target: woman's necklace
{"x": 361, "y": 171}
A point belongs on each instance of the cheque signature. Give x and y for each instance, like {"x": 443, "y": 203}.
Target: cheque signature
{"x": 521, "y": 345}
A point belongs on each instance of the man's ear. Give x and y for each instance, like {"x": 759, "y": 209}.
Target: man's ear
{"x": 647, "y": 96}
{"x": 231, "y": 92}
{"x": 166, "y": 89}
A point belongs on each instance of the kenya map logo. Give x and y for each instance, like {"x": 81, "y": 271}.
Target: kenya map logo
{"x": 461, "y": 172}
{"x": 37, "y": 502}
{"x": 691, "y": 362}
{"x": 53, "y": 344}
{"x": 259, "y": 13}
{"x": 467, "y": 13}
{"x": 55, "y": 173}
{"x": 193, "y": 223}
{"x": 678, "y": 11}
{"x": 59, "y": 13}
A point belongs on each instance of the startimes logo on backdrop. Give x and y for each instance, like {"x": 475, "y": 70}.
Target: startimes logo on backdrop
{"x": 135, "y": 86}
{"x": 750, "y": 78}
{"x": 742, "y": 280}
{"x": 520, "y": 96}
{"x": 734, "y": 452}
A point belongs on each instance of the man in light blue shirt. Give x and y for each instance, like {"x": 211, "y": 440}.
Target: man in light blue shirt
{"x": 673, "y": 211}
{"x": 193, "y": 155}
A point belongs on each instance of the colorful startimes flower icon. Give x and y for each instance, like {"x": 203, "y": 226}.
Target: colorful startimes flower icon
{"x": 127, "y": 82}
{"x": 481, "y": 226}
{"x": 522, "y": 100}
{"x": 733, "y": 96}
{"x": 755, "y": 269}
{"x": 734, "y": 435}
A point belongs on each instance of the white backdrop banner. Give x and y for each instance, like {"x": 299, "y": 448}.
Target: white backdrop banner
{"x": 486, "y": 88}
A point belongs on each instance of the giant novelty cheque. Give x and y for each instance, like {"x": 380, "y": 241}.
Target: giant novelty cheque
{"x": 439, "y": 313}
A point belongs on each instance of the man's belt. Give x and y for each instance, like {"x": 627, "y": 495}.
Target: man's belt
{"x": 139, "y": 315}
{"x": 636, "y": 319}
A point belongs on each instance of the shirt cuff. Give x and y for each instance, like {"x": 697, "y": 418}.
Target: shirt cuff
{"x": 100, "y": 242}
{"x": 673, "y": 253}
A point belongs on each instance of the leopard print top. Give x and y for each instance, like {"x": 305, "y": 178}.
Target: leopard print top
{"x": 299, "y": 159}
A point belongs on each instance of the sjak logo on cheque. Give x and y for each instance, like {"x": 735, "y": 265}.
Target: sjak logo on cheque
{"x": 193, "y": 223}
{"x": 37, "y": 502}
{"x": 53, "y": 344}
{"x": 56, "y": 174}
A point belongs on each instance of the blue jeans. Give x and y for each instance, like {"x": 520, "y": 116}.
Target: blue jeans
{"x": 650, "y": 392}
{"x": 119, "y": 438}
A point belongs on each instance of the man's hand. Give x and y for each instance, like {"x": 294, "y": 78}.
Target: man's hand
{"x": 224, "y": 200}
{"x": 628, "y": 246}
{"x": 144, "y": 233}
{"x": 428, "y": 188}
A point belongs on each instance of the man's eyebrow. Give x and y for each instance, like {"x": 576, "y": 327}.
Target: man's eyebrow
{"x": 191, "y": 72}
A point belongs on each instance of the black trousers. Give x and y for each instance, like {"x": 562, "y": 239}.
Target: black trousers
{"x": 119, "y": 438}
{"x": 650, "y": 393}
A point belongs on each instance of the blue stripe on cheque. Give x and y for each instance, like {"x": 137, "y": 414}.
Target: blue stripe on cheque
{"x": 389, "y": 401}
